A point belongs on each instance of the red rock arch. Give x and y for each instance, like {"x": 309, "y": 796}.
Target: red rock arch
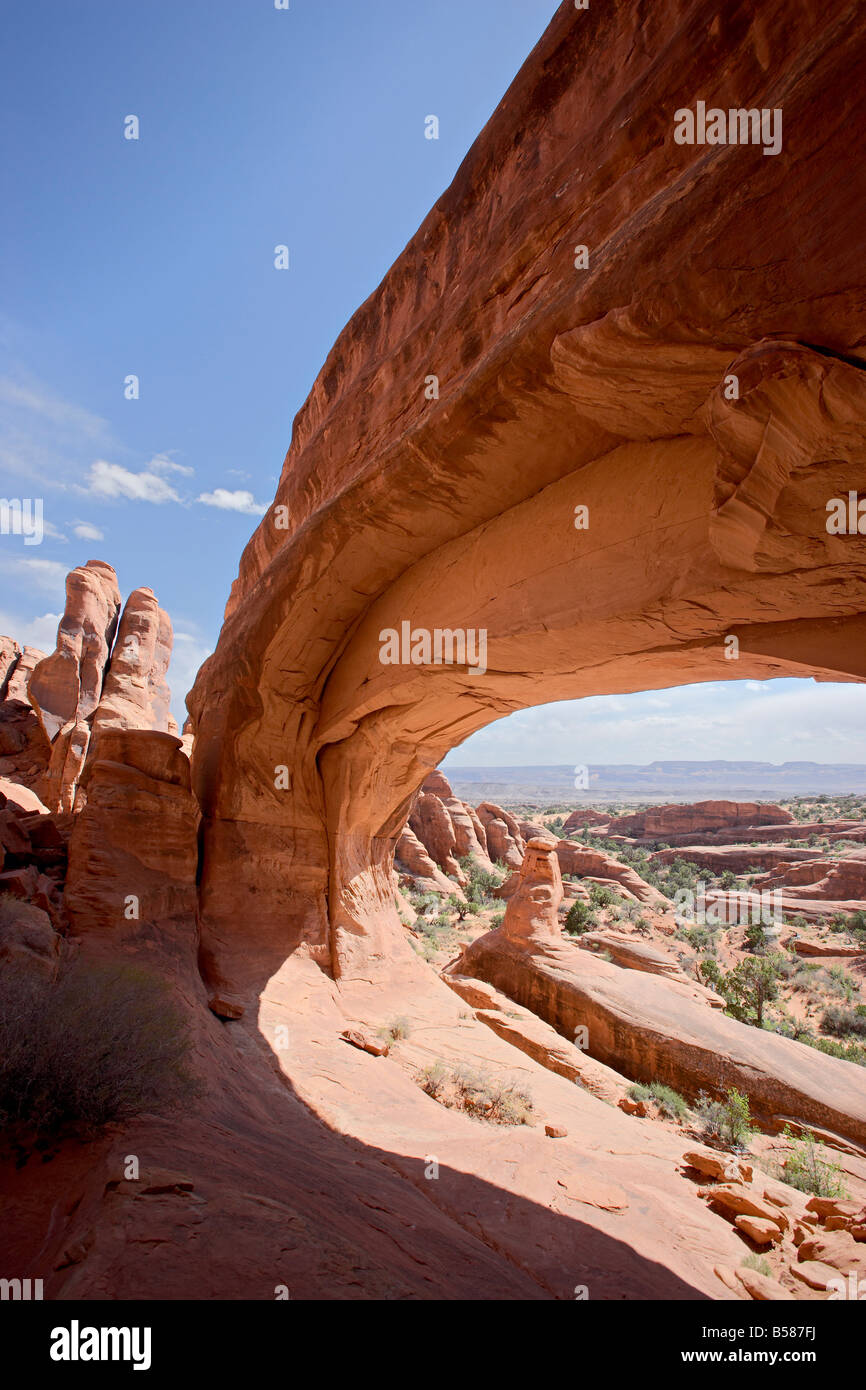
{"x": 557, "y": 386}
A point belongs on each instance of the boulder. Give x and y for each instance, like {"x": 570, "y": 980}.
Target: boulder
{"x": 412, "y": 859}
{"x": 593, "y": 863}
{"x": 759, "y": 1229}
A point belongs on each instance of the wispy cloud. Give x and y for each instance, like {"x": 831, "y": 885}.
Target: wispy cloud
{"x": 44, "y": 437}
{"x": 164, "y": 463}
{"x": 49, "y": 575}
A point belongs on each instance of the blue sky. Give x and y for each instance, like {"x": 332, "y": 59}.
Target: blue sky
{"x": 762, "y": 721}
{"x": 155, "y": 257}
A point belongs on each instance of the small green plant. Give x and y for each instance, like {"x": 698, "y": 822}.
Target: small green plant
{"x": 602, "y": 896}
{"x": 728, "y": 1119}
{"x": 670, "y": 1102}
{"x": 701, "y": 938}
{"x": 758, "y": 1264}
{"x": 807, "y": 1168}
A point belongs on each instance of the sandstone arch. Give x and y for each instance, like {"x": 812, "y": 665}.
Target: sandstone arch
{"x": 558, "y": 387}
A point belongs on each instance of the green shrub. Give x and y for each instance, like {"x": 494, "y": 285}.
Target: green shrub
{"x": 480, "y": 883}
{"x": 841, "y": 1020}
{"x": 602, "y": 896}
{"x": 669, "y": 1101}
{"x": 579, "y": 918}
{"x": 748, "y": 988}
{"x": 93, "y": 1045}
{"x": 701, "y": 938}
{"x": 727, "y": 1119}
{"x": 757, "y": 1263}
{"x": 807, "y": 1169}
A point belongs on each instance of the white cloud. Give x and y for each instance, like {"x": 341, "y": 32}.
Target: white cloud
{"x": 86, "y": 531}
{"x": 33, "y": 632}
{"x": 239, "y": 501}
{"x": 112, "y": 480}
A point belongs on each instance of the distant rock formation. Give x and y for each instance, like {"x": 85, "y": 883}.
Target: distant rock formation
{"x": 584, "y": 816}
{"x": 108, "y": 671}
{"x": 65, "y": 687}
{"x": 24, "y": 746}
{"x": 533, "y": 908}
{"x": 667, "y": 822}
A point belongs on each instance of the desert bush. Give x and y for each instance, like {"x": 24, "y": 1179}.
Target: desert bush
{"x": 847, "y": 1051}
{"x": 748, "y": 988}
{"x": 841, "y": 1020}
{"x": 477, "y": 1093}
{"x": 93, "y": 1045}
{"x": 728, "y": 1119}
{"x": 579, "y": 918}
{"x": 602, "y": 896}
{"x": 807, "y": 1169}
{"x": 480, "y": 883}
{"x": 458, "y": 906}
{"x": 669, "y": 1101}
{"x": 397, "y": 1029}
{"x": 701, "y": 938}
{"x": 839, "y": 982}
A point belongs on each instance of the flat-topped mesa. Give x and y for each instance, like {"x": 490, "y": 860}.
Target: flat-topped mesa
{"x": 533, "y": 907}
{"x": 661, "y": 822}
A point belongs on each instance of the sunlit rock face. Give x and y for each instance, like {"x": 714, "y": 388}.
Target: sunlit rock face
{"x": 533, "y": 908}
{"x": 108, "y": 671}
{"x": 595, "y": 411}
